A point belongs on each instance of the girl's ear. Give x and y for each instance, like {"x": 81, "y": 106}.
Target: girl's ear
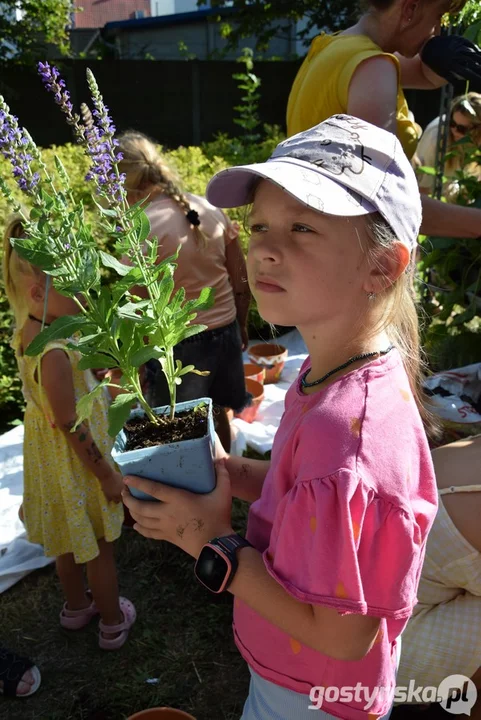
{"x": 387, "y": 265}
{"x": 37, "y": 292}
{"x": 409, "y": 9}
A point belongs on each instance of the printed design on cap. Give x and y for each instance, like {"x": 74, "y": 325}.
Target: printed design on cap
{"x": 315, "y": 201}
{"x": 333, "y": 148}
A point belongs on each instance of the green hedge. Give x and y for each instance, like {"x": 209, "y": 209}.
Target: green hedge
{"x": 194, "y": 165}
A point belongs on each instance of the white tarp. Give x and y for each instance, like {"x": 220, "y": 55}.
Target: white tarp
{"x": 18, "y": 557}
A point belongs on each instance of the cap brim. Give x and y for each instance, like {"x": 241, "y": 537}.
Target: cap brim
{"x": 235, "y": 186}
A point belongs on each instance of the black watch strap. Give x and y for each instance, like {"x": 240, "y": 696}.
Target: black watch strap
{"x": 230, "y": 543}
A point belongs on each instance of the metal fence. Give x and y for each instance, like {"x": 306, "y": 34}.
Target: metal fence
{"x": 174, "y": 102}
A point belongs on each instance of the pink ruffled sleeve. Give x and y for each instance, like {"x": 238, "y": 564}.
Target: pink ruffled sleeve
{"x": 336, "y": 543}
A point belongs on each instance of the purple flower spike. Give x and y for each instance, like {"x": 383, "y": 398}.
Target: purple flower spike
{"x": 54, "y": 83}
{"x": 14, "y": 146}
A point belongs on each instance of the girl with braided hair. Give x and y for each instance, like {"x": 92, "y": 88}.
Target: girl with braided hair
{"x": 210, "y": 256}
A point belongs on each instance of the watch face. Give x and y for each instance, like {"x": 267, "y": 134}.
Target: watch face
{"x": 212, "y": 569}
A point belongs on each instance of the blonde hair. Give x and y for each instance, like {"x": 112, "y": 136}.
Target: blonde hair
{"x": 400, "y": 317}
{"x": 16, "y": 270}
{"x": 147, "y": 172}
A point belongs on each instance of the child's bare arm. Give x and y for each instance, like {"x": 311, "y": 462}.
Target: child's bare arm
{"x": 57, "y": 382}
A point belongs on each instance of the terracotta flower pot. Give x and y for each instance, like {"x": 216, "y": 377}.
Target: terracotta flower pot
{"x": 270, "y": 356}
{"x": 256, "y": 389}
{"x": 163, "y": 713}
{"x": 254, "y": 372}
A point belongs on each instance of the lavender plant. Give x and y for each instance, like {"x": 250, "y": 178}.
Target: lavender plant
{"x": 114, "y": 328}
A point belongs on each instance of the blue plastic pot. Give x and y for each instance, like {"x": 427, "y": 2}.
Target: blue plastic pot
{"x": 188, "y": 464}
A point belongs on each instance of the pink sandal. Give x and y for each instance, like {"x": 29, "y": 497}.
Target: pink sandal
{"x": 129, "y": 614}
{"x": 77, "y": 619}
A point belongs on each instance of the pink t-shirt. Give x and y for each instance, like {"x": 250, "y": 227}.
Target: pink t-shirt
{"x": 342, "y": 522}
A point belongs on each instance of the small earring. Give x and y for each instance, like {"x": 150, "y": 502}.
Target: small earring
{"x": 371, "y": 296}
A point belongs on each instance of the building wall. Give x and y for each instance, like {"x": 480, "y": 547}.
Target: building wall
{"x": 171, "y": 7}
{"x": 202, "y": 38}
{"x": 162, "y": 7}
{"x": 96, "y": 13}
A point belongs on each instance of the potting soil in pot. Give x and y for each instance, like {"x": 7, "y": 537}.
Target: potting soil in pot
{"x": 186, "y": 425}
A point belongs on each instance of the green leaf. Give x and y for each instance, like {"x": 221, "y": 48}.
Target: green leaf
{"x": 62, "y": 327}
{"x": 130, "y": 310}
{"x": 178, "y": 334}
{"x": 104, "y": 303}
{"x": 178, "y": 299}
{"x": 140, "y": 357}
{"x": 119, "y": 412}
{"x": 166, "y": 288}
{"x": 124, "y": 284}
{"x": 427, "y": 170}
{"x": 93, "y": 339}
{"x": 110, "y": 261}
{"x": 38, "y": 258}
{"x": 47, "y": 199}
{"x": 465, "y": 316}
{"x": 126, "y": 335}
{"x": 203, "y": 302}
{"x": 473, "y": 33}
{"x": 89, "y": 272}
{"x": 85, "y": 404}
{"x": 142, "y": 226}
{"x": 96, "y": 360}
{"x": 186, "y": 369}
{"x": 443, "y": 243}
{"x": 108, "y": 212}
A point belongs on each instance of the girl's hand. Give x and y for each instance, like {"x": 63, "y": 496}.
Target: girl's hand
{"x": 186, "y": 519}
{"x": 112, "y": 486}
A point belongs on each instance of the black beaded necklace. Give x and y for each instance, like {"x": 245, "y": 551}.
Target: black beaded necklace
{"x": 32, "y": 317}
{"x": 362, "y": 356}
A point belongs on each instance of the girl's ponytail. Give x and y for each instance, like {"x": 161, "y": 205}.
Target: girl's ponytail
{"x": 146, "y": 170}
{"x": 13, "y": 267}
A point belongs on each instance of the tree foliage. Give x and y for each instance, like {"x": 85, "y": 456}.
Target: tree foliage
{"x": 266, "y": 19}
{"x": 27, "y": 26}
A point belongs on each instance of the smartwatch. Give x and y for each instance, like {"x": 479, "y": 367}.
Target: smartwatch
{"x": 217, "y": 563}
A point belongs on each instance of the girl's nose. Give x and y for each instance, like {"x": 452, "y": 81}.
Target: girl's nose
{"x": 266, "y": 248}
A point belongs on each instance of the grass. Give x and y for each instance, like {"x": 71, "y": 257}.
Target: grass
{"x": 182, "y": 638}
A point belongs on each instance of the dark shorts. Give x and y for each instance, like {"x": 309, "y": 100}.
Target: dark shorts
{"x": 219, "y": 351}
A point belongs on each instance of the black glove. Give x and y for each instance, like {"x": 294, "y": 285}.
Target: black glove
{"x": 453, "y": 58}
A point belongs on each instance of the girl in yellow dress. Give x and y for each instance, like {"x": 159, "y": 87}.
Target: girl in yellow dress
{"x": 72, "y": 490}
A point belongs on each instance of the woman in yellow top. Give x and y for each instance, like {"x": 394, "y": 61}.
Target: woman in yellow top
{"x": 362, "y": 71}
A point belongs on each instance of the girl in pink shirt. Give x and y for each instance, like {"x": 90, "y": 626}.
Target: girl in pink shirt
{"x": 327, "y": 578}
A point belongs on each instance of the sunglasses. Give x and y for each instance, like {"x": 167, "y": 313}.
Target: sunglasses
{"x": 462, "y": 129}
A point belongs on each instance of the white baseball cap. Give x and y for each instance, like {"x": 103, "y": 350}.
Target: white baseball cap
{"x": 343, "y": 166}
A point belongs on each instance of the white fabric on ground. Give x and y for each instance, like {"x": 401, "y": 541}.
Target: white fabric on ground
{"x": 18, "y": 557}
